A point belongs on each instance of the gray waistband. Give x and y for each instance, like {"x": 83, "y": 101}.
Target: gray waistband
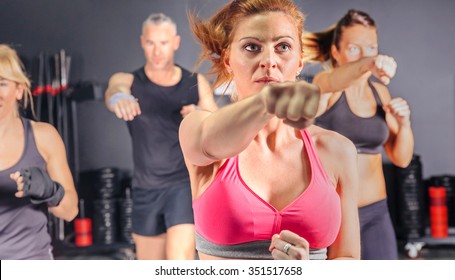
{"x": 258, "y": 250}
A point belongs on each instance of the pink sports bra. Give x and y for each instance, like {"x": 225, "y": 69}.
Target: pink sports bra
{"x": 230, "y": 213}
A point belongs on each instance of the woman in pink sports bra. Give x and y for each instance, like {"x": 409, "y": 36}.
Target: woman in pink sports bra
{"x": 266, "y": 183}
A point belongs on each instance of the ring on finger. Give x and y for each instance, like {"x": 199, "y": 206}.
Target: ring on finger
{"x": 286, "y": 247}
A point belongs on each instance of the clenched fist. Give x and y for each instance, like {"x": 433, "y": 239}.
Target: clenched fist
{"x": 399, "y": 109}
{"x": 289, "y": 246}
{"x": 126, "y": 108}
{"x": 294, "y": 102}
{"x": 384, "y": 68}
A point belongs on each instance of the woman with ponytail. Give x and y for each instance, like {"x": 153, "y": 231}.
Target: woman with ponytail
{"x": 364, "y": 112}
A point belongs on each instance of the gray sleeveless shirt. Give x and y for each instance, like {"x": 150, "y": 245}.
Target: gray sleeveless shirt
{"x": 23, "y": 225}
{"x": 368, "y": 134}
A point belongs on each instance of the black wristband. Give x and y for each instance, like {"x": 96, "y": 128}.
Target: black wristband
{"x": 40, "y": 187}
{"x": 54, "y": 200}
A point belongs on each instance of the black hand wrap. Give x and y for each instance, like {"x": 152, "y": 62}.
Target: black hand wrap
{"x": 40, "y": 187}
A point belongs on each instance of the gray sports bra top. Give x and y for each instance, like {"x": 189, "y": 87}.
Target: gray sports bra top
{"x": 258, "y": 250}
{"x": 367, "y": 134}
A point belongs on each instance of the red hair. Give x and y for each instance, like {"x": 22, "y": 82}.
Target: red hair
{"x": 216, "y": 34}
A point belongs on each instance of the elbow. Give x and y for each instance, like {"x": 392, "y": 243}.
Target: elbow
{"x": 69, "y": 212}
{"x": 208, "y": 151}
{"x": 72, "y": 213}
{"x": 400, "y": 158}
{"x": 73, "y": 208}
{"x": 207, "y": 147}
{"x": 403, "y": 164}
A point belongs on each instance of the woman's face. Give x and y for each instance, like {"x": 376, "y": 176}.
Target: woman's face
{"x": 356, "y": 42}
{"x": 10, "y": 93}
{"x": 265, "y": 49}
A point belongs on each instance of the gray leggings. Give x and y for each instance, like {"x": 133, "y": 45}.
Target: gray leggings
{"x": 377, "y": 235}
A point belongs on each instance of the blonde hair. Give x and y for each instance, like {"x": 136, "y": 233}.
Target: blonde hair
{"x": 12, "y": 69}
{"x": 216, "y": 34}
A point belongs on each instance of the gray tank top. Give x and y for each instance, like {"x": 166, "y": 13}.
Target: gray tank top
{"x": 23, "y": 225}
{"x": 367, "y": 134}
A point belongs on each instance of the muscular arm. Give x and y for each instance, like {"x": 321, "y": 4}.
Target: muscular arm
{"x": 119, "y": 82}
{"x": 343, "y": 76}
{"x": 207, "y": 137}
{"x": 400, "y": 144}
{"x": 124, "y": 108}
{"x": 52, "y": 148}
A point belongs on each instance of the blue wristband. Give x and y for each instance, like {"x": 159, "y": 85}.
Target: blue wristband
{"x": 118, "y": 96}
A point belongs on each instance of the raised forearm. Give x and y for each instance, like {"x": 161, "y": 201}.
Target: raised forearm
{"x": 342, "y": 77}
{"x": 230, "y": 130}
{"x": 67, "y": 209}
{"x": 113, "y": 90}
{"x": 402, "y": 147}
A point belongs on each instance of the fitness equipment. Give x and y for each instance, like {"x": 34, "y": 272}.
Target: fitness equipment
{"x": 448, "y": 183}
{"x": 83, "y": 227}
{"x": 438, "y": 212}
{"x": 411, "y": 200}
{"x": 125, "y": 217}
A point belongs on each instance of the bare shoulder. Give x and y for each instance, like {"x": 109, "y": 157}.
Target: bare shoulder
{"x": 383, "y": 92}
{"x": 44, "y": 130}
{"x": 333, "y": 144}
{"x": 47, "y": 138}
{"x": 337, "y": 153}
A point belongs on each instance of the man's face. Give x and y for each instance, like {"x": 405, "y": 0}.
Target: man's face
{"x": 159, "y": 43}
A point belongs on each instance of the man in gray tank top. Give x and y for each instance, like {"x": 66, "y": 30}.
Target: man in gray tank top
{"x": 153, "y": 100}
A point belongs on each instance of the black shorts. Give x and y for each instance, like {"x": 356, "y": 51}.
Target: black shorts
{"x": 154, "y": 211}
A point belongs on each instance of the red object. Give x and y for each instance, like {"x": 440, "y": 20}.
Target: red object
{"x": 38, "y": 90}
{"x": 438, "y": 212}
{"x": 83, "y": 231}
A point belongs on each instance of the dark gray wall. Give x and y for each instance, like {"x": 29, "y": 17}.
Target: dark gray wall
{"x": 102, "y": 35}
{"x": 103, "y": 38}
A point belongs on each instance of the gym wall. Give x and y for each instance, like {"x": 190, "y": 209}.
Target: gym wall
{"x": 103, "y": 38}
